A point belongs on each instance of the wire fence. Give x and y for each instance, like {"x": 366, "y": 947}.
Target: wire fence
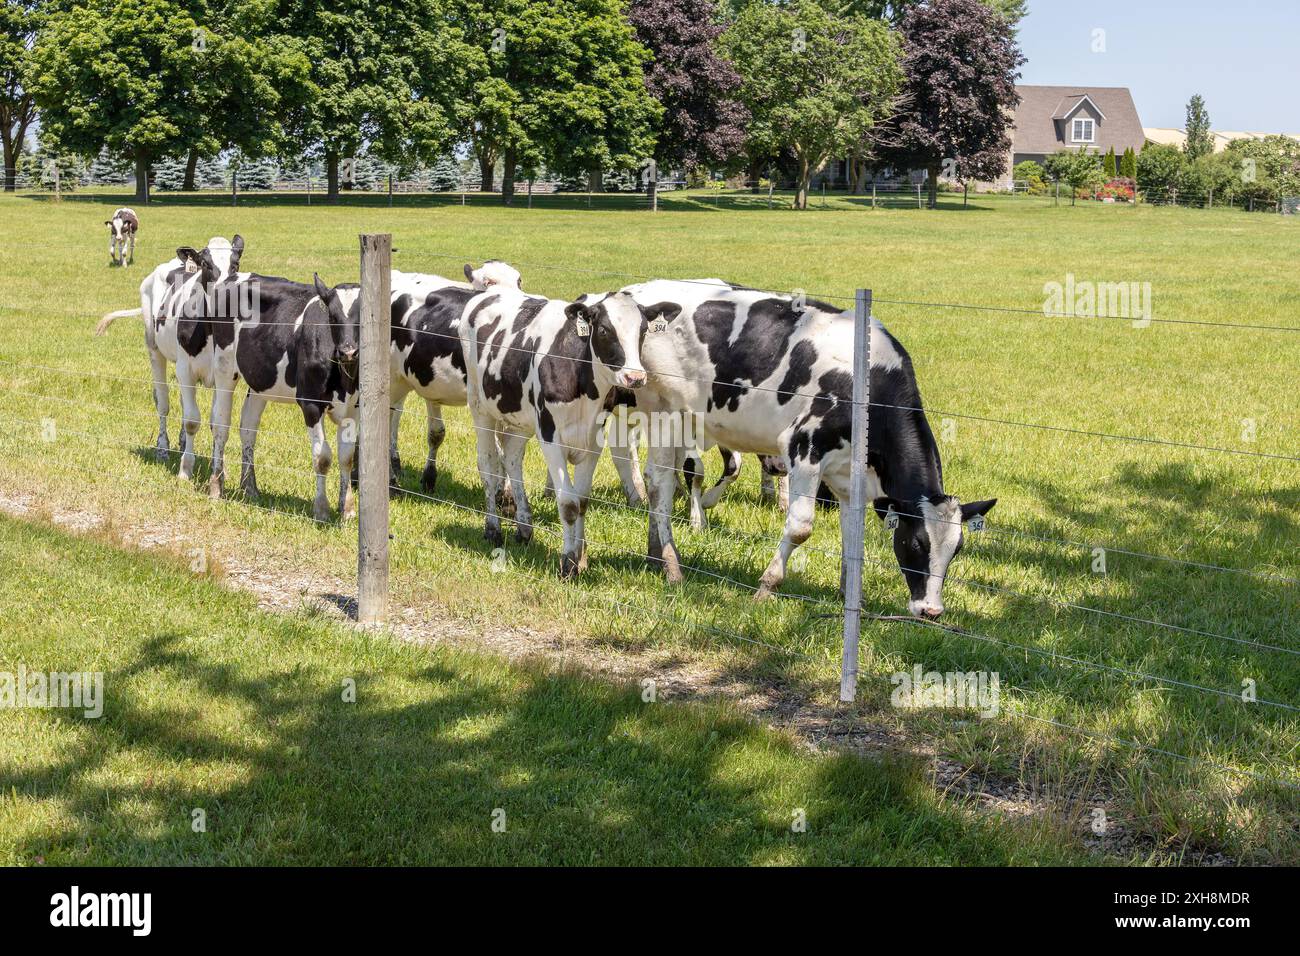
{"x": 1134, "y": 675}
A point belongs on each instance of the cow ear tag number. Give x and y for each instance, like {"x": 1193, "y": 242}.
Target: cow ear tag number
{"x": 659, "y": 325}
{"x": 891, "y": 518}
{"x": 583, "y": 327}
{"x": 976, "y": 523}
{"x": 191, "y": 267}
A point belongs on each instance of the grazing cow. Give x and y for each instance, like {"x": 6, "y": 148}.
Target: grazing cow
{"x": 291, "y": 343}
{"x": 121, "y": 236}
{"x": 545, "y": 367}
{"x": 765, "y": 377}
{"x": 165, "y": 295}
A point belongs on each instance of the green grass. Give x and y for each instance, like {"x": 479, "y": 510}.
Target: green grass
{"x": 241, "y": 714}
{"x": 1181, "y": 383}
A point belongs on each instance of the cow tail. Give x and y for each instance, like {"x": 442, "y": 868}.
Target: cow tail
{"x": 106, "y": 321}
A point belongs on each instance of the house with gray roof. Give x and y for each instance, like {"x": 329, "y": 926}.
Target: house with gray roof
{"x": 1052, "y": 118}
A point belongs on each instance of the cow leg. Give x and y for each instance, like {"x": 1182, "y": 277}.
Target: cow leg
{"x": 250, "y": 418}
{"x": 798, "y": 525}
{"x": 320, "y": 460}
{"x": 400, "y": 389}
{"x": 625, "y": 449}
{"x": 730, "y": 472}
{"x": 783, "y": 492}
{"x": 161, "y": 401}
{"x": 222, "y": 400}
{"x": 569, "y": 506}
{"x": 347, "y": 437}
{"x": 490, "y": 472}
{"x": 584, "y": 474}
{"x": 189, "y": 428}
{"x": 130, "y": 254}
{"x": 512, "y": 451}
{"x": 435, "y": 435}
{"x": 693, "y": 473}
{"x": 661, "y": 482}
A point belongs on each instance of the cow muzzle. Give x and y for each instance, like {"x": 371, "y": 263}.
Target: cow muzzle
{"x": 629, "y": 378}
{"x": 925, "y": 610}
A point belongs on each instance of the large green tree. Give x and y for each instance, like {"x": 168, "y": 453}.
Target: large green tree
{"x": 19, "y": 22}
{"x": 385, "y": 77}
{"x": 1200, "y": 141}
{"x": 559, "y": 82}
{"x": 815, "y": 85}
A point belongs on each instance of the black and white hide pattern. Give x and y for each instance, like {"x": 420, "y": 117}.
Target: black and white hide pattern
{"x": 546, "y": 367}
{"x": 290, "y": 342}
{"x": 121, "y": 236}
{"x": 765, "y": 377}
{"x": 170, "y": 291}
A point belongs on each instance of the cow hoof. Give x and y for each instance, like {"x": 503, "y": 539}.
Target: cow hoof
{"x": 216, "y": 487}
{"x": 570, "y": 565}
{"x": 321, "y": 513}
{"x": 161, "y": 454}
{"x": 524, "y": 533}
{"x": 429, "y": 480}
{"x": 764, "y": 593}
{"x": 493, "y": 536}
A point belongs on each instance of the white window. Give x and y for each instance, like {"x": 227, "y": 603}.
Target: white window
{"x": 1084, "y": 130}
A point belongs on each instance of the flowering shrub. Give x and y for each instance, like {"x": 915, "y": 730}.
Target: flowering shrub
{"x": 1119, "y": 189}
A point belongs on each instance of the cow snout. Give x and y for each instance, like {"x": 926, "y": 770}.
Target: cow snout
{"x": 631, "y": 379}
{"x": 349, "y": 353}
{"x": 925, "y": 610}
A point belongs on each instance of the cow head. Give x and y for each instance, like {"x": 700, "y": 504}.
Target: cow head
{"x": 926, "y": 539}
{"x": 343, "y": 313}
{"x": 493, "y": 272}
{"x": 616, "y": 326}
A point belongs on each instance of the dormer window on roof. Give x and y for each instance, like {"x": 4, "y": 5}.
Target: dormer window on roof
{"x": 1083, "y": 130}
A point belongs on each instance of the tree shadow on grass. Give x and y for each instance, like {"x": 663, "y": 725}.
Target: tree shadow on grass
{"x": 419, "y": 768}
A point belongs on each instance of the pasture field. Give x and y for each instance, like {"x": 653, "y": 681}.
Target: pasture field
{"x": 1072, "y": 646}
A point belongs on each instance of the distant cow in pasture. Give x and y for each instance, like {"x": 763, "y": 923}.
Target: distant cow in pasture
{"x": 546, "y": 367}
{"x": 121, "y": 236}
{"x": 166, "y": 294}
{"x": 291, "y": 343}
{"x": 763, "y": 376}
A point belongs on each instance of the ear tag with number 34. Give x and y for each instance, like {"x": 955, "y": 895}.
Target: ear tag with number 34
{"x": 891, "y": 518}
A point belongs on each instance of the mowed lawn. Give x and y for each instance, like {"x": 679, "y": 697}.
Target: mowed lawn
{"x": 298, "y": 741}
{"x": 1025, "y": 589}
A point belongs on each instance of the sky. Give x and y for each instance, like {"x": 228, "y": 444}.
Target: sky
{"x": 1242, "y": 56}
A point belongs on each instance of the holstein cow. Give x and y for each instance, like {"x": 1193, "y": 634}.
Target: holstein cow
{"x": 426, "y": 353}
{"x": 428, "y": 359}
{"x": 763, "y": 376}
{"x": 291, "y": 343}
{"x": 166, "y": 294}
{"x": 546, "y": 367}
{"x": 121, "y": 236}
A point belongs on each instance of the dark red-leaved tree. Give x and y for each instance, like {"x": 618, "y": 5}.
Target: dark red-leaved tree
{"x": 703, "y": 123}
{"x": 962, "y": 62}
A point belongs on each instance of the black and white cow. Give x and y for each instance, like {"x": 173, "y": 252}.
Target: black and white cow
{"x": 291, "y": 343}
{"x": 426, "y": 353}
{"x": 168, "y": 292}
{"x": 546, "y": 367}
{"x": 428, "y": 360}
{"x": 764, "y": 377}
{"x": 121, "y": 236}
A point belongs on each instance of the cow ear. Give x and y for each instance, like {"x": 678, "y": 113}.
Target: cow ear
{"x": 236, "y": 252}
{"x": 322, "y": 290}
{"x": 581, "y": 316}
{"x": 469, "y": 272}
{"x": 665, "y": 310}
{"x": 108, "y": 222}
{"x": 187, "y": 254}
{"x": 974, "y": 508}
{"x": 882, "y": 505}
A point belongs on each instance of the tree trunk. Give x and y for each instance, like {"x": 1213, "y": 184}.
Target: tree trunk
{"x": 596, "y": 180}
{"x": 487, "y": 165}
{"x": 933, "y": 173}
{"x": 141, "y": 177}
{"x": 805, "y": 175}
{"x": 331, "y": 176}
{"x": 191, "y": 165}
{"x": 9, "y": 171}
{"x": 508, "y": 178}
{"x": 754, "y": 174}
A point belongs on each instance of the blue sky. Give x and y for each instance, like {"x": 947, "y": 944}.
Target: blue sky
{"x": 1242, "y": 56}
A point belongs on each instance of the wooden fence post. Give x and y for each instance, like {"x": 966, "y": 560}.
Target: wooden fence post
{"x": 372, "y": 436}
{"x": 853, "y": 545}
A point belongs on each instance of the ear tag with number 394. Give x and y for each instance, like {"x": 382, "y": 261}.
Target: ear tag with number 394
{"x": 583, "y": 327}
{"x": 891, "y": 518}
{"x": 976, "y": 523}
{"x": 659, "y": 325}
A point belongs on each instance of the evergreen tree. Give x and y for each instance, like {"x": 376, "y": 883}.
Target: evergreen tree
{"x": 169, "y": 174}
{"x": 1128, "y": 165}
{"x": 1199, "y": 142}
{"x": 1109, "y": 163}
{"x": 445, "y": 175}
{"x": 106, "y": 170}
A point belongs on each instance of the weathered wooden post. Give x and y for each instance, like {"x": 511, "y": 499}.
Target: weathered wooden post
{"x": 372, "y": 437}
{"x": 390, "y": 189}
{"x": 234, "y": 187}
{"x": 853, "y": 545}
